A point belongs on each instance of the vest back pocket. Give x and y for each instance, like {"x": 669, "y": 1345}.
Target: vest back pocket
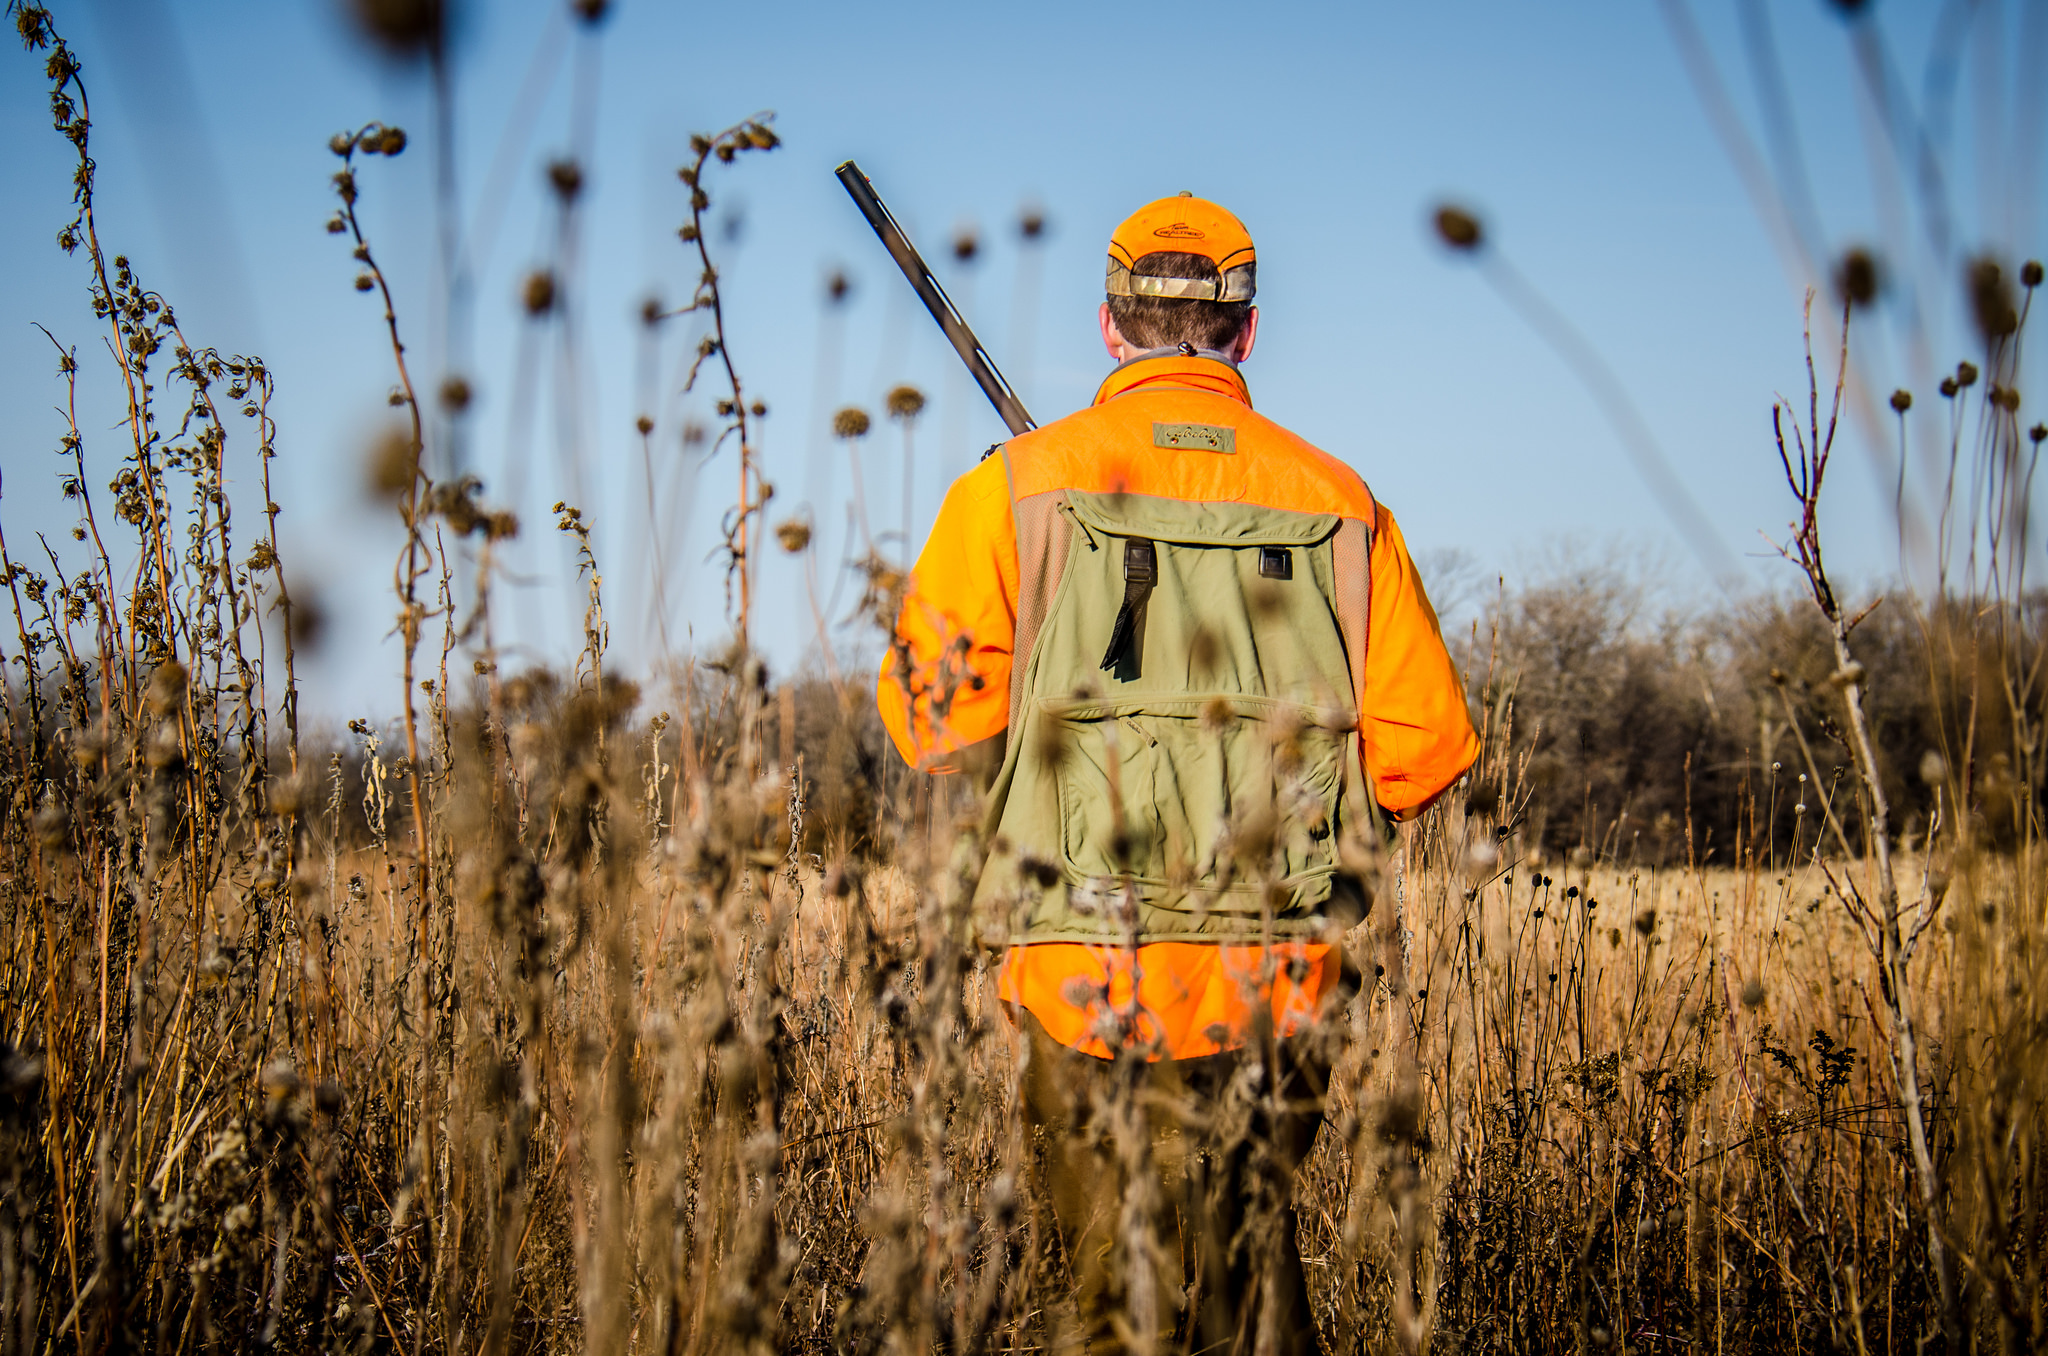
{"x": 1203, "y": 798}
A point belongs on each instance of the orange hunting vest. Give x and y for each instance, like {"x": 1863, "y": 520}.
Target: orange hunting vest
{"x": 959, "y": 629}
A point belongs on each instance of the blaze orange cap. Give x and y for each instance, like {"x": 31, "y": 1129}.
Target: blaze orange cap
{"x": 1184, "y": 224}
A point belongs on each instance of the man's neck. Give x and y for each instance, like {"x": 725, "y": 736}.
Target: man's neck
{"x": 1126, "y": 354}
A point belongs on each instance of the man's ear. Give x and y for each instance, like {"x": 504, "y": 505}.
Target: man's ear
{"x": 1112, "y": 337}
{"x": 1246, "y": 337}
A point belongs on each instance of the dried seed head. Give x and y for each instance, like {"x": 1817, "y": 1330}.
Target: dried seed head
{"x": 1039, "y": 871}
{"x": 837, "y": 287}
{"x": 1858, "y": 277}
{"x": 566, "y": 178}
{"x": 1053, "y": 746}
{"x": 539, "y": 293}
{"x": 455, "y": 393}
{"x": 1458, "y": 228}
{"x": 2030, "y": 273}
{"x": 391, "y": 465}
{"x": 1991, "y": 300}
{"x": 1031, "y": 223}
{"x": 591, "y": 11}
{"x": 308, "y": 617}
{"x": 1902, "y": 400}
{"x": 905, "y": 403}
{"x": 286, "y": 795}
{"x": 1253, "y": 838}
{"x": 851, "y": 422}
{"x": 1646, "y": 922}
{"x": 403, "y": 27}
{"x": 280, "y": 1080}
{"x": 1752, "y": 993}
{"x": 966, "y": 244}
{"x": 52, "y": 825}
{"x": 166, "y": 688}
{"x": 794, "y": 534}
{"x": 643, "y": 425}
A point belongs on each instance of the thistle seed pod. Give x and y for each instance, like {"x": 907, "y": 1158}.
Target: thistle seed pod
{"x": 1458, "y": 228}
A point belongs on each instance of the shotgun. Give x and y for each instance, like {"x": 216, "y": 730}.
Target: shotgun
{"x": 935, "y": 300}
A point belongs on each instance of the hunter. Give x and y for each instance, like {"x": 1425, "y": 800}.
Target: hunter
{"x": 1199, "y": 654}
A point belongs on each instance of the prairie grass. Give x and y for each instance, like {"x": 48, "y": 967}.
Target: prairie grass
{"x": 569, "y": 1013}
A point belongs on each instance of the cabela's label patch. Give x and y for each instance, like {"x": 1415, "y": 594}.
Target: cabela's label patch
{"x": 1198, "y": 437}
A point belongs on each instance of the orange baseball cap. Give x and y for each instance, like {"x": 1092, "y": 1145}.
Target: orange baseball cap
{"x": 1184, "y": 224}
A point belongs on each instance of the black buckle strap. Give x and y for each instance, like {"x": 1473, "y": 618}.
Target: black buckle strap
{"x": 1141, "y": 572}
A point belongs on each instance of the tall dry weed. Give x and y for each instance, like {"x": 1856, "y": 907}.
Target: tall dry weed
{"x": 571, "y": 1012}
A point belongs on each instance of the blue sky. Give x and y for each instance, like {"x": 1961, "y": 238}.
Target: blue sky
{"x": 1333, "y": 130}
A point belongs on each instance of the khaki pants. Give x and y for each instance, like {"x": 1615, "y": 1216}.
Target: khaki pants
{"x": 1176, "y": 1211}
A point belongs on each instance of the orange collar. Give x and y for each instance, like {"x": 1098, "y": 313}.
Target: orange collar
{"x": 1174, "y": 369}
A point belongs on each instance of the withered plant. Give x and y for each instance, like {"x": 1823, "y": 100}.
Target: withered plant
{"x": 568, "y": 1009}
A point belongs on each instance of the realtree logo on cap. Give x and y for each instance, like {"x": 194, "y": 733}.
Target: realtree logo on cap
{"x": 1180, "y": 230}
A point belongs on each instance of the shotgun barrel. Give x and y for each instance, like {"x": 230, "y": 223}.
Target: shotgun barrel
{"x": 935, "y": 300}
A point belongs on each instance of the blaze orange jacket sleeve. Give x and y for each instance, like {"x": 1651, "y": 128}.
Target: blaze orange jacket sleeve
{"x": 945, "y": 679}
{"x": 1417, "y": 732}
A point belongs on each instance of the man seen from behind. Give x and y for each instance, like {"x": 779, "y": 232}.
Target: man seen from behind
{"x": 1202, "y": 653}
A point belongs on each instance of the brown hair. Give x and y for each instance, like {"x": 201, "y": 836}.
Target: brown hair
{"x": 1158, "y": 322}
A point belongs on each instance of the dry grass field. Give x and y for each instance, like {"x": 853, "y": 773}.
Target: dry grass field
{"x": 565, "y": 1012}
